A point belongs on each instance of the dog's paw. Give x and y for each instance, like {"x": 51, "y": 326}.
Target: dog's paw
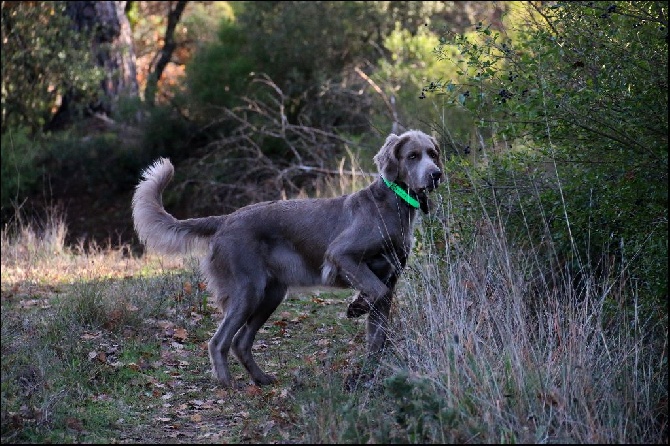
{"x": 265, "y": 379}
{"x": 358, "y": 308}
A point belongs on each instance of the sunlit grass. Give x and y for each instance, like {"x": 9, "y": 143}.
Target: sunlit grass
{"x": 34, "y": 256}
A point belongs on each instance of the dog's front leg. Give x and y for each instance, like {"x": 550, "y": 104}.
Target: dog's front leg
{"x": 386, "y": 272}
{"x": 359, "y": 307}
{"x": 356, "y": 274}
{"x": 378, "y": 320}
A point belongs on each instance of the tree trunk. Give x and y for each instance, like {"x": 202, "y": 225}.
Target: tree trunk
{"x": 112, "y": 45}
{"x": 165, "y": 54}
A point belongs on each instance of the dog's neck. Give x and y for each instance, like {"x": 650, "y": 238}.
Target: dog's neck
{"x": 421, "y": 198}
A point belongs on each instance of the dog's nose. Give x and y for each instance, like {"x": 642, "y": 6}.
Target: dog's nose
{"x": 436, "y": 176}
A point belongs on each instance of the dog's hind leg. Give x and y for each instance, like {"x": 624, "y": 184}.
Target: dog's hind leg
{"x": 244, "y": 339}
{"x": 240, "y": 306}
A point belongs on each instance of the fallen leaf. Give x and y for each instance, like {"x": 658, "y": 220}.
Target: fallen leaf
{"x": 267, "y": 427}
{"x": 133, "y": 366}
{"x": 253, "y": 391}
{"x": 87, "y": 336}
{"x": 188, "y": 288}
{"x": 196, "y": 418}
{"x": 74, "y": 424}
{"x": 165, "y": 324}
{"x": 180, "y": 334}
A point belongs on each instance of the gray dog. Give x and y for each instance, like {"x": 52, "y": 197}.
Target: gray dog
{"x": 256, "y": 253}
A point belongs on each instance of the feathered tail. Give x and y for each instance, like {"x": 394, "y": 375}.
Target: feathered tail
{"x": 155, "y": 227}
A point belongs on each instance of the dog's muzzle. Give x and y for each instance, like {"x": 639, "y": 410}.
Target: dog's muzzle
{"x": 435, "y": 178}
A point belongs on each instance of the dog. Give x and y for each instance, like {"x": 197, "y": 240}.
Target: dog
{"x": 256, "y": 253}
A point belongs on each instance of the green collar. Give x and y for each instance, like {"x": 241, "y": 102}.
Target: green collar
{"x": 402, "y": 193}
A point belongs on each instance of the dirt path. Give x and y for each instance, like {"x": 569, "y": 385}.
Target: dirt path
{"x": 294, "y": 345}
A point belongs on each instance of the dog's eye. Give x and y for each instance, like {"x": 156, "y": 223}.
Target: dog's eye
{"x": 412, "y": 156}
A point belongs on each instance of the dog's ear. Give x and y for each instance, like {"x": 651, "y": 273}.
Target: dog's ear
{"x": 435, "y": 143}
{"x": 387, "y": 158}
{"x": 437, "y": 147}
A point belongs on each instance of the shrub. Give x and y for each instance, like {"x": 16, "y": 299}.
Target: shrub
{"x": 575, "y": 84}
{"x": 42, "y": 59}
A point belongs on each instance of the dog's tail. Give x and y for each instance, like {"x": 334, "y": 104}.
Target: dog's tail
{"x": 155, "y": 227}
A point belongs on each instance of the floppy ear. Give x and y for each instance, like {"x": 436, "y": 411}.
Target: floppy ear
{"x": 437, "y": 147}
{"x": 386, "y": 159}
{"x": 434, "y": 141}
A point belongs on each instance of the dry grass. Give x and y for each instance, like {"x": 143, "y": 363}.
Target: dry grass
{"x": 525, "y": 361}
{"x": 36, "y": 255}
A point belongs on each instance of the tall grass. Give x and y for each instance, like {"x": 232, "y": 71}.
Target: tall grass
{"x": 23, "y": 242}
{"x": 530, "y": 359}
{"x": 491, "y": 344}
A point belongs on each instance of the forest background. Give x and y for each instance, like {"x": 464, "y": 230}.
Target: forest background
{"x": 536, "y": 309}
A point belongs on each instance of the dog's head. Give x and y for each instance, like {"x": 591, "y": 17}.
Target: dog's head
{"x": 411, "y": 159}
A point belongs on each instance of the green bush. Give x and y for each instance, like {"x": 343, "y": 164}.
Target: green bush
{"x": 43, "y": 58}
{"x": 220, "y": 71}
{"x": 581, "y": 86}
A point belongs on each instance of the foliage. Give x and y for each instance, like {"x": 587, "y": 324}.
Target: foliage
{"x": 404, "y": 72}
{"x": 304, "y": 48}
{"x": 487, "y": 345}
{"x": 197, "y": 27}
{"x": 585, "y": 83}
{"x": 259, "y": 148}
{"x": 102, "y": 159}
{"x": 42, "y": 59}
{"x": 220, "y": 72}
{"x": 71, "y": 163}
{"x": 299, "y": 45}
{"x": 309, "y": 50}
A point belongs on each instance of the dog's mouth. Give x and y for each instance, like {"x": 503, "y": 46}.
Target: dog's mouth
{"x": 429, "y": 188}
{"x": 434, "y": 180}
